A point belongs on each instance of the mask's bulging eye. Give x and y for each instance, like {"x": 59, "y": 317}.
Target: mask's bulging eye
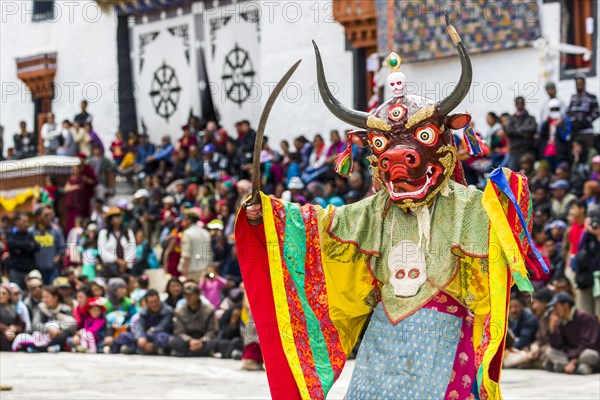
{"x": 396, "y": 112}
{"x": 400, "y": 274}
{"x": 378, "y": 142}
{"x": 427, "y": 134}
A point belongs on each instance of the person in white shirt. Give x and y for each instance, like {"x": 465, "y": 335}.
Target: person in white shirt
{"x": 196, "y": 248}
{"x": 116, "y": 245}
{"x": 51, "y": 134}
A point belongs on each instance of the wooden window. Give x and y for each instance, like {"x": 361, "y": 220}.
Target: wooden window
{"x": 578, "y": 27}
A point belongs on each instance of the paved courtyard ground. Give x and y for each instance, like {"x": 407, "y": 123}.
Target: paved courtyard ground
{"x": 77, "y": 376}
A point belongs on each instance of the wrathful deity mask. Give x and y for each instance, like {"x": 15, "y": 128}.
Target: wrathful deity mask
{"x": 410, "y": 136}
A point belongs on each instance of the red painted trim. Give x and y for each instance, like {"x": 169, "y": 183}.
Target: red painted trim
{"x": 457, "y": 246}
{"x": 296, "y": 312}
{"x": 254, "y": 264}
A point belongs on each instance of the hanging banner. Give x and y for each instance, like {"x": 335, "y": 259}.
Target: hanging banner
{"x": 232, "y": 51}
{"x": 165, "y": 75}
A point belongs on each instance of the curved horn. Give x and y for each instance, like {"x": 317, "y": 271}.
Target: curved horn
{"x": 348, "y": 115}
{"x": 466, "y": 75}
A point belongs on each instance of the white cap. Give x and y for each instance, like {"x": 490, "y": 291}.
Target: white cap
{"x": 296, "y": 183}
{"x": 141, "y": 193}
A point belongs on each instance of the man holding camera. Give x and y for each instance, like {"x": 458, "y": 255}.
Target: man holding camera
{"x": 587, "y": 261}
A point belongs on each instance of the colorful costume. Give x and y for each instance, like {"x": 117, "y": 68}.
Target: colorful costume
{"x": 431, "y": 259}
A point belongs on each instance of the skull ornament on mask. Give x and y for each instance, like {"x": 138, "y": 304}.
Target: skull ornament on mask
{"x": 396, "y": 82}
{"x": 396, "y": 79}
{"x": 410, "y": 136}
{"x": 407, "y": 268}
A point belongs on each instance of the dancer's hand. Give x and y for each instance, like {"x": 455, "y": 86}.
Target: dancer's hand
{"x": 254, "y": 212}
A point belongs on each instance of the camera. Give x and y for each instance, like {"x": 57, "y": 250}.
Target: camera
{"x": 595, "y": 223}
{"x": 210, "y": 275}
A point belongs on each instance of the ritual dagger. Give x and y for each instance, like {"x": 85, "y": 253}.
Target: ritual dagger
{"x": 255, "y": 197}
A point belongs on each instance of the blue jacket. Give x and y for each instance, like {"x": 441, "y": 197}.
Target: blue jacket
{"x": 154, "y": 323}
{"x": 524, "y": 329}
{"x": 142, "y": 152}
{"x": 164, "y": 153}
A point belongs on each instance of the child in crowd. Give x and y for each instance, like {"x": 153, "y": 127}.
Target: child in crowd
{"x": 89, "y": 251}
{"x": 117, "y": 148}
{"x": 94, "y": 327}
{"x": 143, "y": 282}
{"x": 83, "y": 296}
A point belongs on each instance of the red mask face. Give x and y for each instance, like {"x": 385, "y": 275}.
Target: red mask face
{"x": 413, "y": 152}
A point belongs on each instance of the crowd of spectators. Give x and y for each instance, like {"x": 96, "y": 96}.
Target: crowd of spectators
{"x": 90, "y": 292}
{"x": 558, "y": 328}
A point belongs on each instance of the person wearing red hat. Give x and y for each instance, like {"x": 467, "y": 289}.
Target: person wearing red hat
{"x": 94, "y": 327}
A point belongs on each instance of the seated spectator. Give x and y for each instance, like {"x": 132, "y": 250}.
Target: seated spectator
{"x": 94, "y": 327}
{"x": 140, "y": 291}
{"x": 591, "y": 193}
{"x": 304, "y": 149}
{"x": 193, "y": 165}
{"x": 117, "y": 148}
{"x": 541, "y": 298}
{"x": 22, "y": 309}
{"x": 119, "y": 307}
{"x": 186, "y": 140}
{"x": 162, "y": 153}
{"x": 195, "y": 329}
{"x": 557, "y": 230}
{"x": 522, "y": 322}
{"x": 11, "y": 323}
{"x": 211, "y": 170}
{"x": 595, "y": 169}
{"x": 35, "y": 287}
{"x": 83, "y": 295}
{"x": 173, "y": 293}
{"x": 179, "y": 164}
{"x": 574, "y": 338}
{"x": 53, "y": 322}
{"x": 65, "y": 291}
{"x": 556, "y": 261}
{"x": 155, "y": 326}
{"x": 580, "y": 168}
{"x": 294, "y": 169}
{"x": 561, "y": 199}
{"x": 144, "y": 150}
